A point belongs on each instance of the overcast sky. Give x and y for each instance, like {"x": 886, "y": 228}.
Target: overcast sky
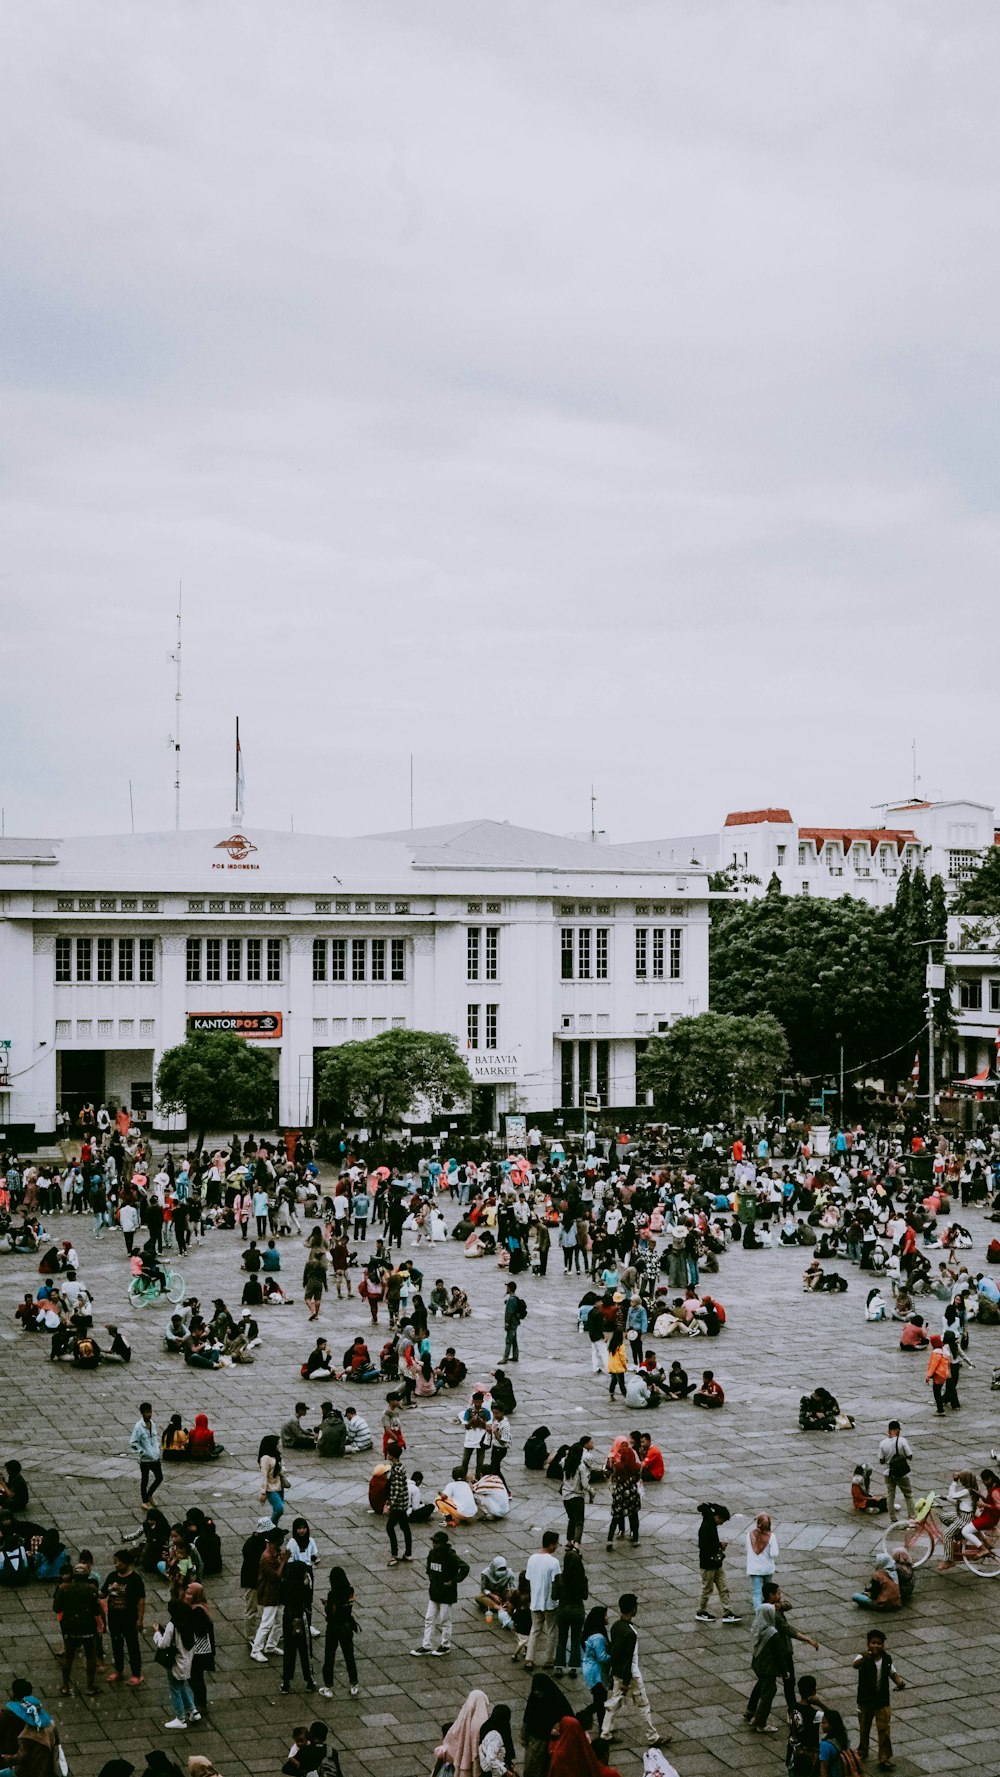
{"x": 565, "y": 393}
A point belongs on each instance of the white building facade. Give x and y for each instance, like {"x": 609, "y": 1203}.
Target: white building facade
{"x": 550, "y": 960}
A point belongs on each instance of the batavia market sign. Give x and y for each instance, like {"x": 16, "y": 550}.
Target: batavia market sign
{"x": 488, "y": 1065}
{"x": 238, "y": 1024}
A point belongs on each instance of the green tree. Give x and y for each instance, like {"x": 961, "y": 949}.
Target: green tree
{"x": 215, "y": 1079}
{"x": 380, "y": 1080}
{"x": 705, "y": 1067}
{"x": 981, "y": 894}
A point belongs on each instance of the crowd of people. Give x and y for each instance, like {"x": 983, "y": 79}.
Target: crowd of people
{"x": 644, "y": 1235}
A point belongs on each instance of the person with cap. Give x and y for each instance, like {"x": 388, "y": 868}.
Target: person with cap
{"x": 445, "y": 1572}
{"x": 23, "y": 1707}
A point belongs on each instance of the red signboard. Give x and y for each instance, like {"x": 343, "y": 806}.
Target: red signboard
{"x": 237, "y": 1024}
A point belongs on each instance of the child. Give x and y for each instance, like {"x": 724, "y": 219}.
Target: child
{"x": 710, "y": 1393}
{"x": 392, "y": 1425}
{"x": 861, "y": 1499}
{"x": 519, "y": 1607}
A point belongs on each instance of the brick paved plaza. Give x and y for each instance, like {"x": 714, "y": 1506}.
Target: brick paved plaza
{"x": 71, "y": 1433}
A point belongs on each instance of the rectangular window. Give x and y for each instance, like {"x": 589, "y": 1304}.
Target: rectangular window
{"x": 658, "y": 953}
{"x": 676, "y": 952}
{"x": 641, "y": 948}
{"x": 970, "y": 993}
{"x": 781, "y": 854}
{"x": 234, "y": 959}
{"x": 126, "y": 959}
{"x": 567, "y": 953}
{"x": 105, "y": 958}
{"x": 378, "y": 959}
{"x": 319, "y": 959}
{"x": 995, "y": 996}
{"x": 601, "y": 953}
{"x": 472, "y": 1026}
{"x": 398, "y": 959}
{"x": 147, "y": 955}
{"x": 254, "y": 952}
{"x": 603, "y": 1071}
{"x": 274, "y": 959}
{"x": 492, "y": 953}
{"x": 213, "y": 959}
{"x": 583, "y": 953}
{"x": 585, "y": 1053}
{"x": 567, "y": 1091}
{"x": 83, "y": 959}
{"x": 358, "y": 948}
{"x": 492, "y": 1013}
{"x": 194, "y": 959}
{"x": 338, "y": 959}
{"x": 64, "y": 959}
{"x": 472, "y": 937}
{"x": 802, "y": 855}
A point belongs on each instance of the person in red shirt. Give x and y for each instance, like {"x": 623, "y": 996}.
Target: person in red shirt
{"x": 710, "y": 1393}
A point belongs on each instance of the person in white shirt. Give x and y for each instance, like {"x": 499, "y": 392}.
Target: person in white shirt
{"x": 540, "y": 1573}
{"x": 762, "y": 1556}
{"x": 893, "y": 1451}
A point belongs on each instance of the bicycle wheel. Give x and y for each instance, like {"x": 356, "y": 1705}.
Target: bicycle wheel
{"x": 136, "y": 1294}
{"x": 914, "y": 1539}
{"x": 986, "y": 1564}
{"x": 175, "y": 1287}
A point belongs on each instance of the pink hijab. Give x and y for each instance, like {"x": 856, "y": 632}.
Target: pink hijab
{"x": 461, "y": 1743}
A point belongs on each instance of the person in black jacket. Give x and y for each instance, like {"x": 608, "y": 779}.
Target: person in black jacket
{"x": 876, "y": 1672}
{"x": 625, "y": 1673}
{"x": 711, "y": 1555}
{"x": 445, "y": 1572}
{"x": 296, "y": 1599}
{"x": 574, "y": 1591}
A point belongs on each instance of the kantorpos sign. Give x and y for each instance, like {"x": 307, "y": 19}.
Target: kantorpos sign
{"x": 238, "y": 1024}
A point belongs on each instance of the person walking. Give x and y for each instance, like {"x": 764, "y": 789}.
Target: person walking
{"x": 625, "y": 1469}
{"x": 445, "y": 1572}
{"x": 762, "y": 1556}
{"x": 574, "y": 1591}
{"x": 124, "y": 1595}
{"x": 876, "y": 1671}
{"x": 895, "y": 1457}
{"x": 145, "y": 1445}
{"x": 398, "y": 1505}
{"x": 625, "y": 1673}
{"x": 575, "y": 1486}
{"x": 711, "y": 1555}
{"x": 541, "y": 1572}
{"x": 296, "y": 1602}
{"x": 939, "y": 1374}
{"x": 273, "y": 1479}
{"x": 176, "y": 1640}
{"x": 772, "y": 1659}
{"x": 340, "y": 1631}
{"x": 514, "y": 1311}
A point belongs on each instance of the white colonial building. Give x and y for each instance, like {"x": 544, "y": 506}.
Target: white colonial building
{"x": 551, "y": 960}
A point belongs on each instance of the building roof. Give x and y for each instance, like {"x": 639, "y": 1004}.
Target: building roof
{"x": 497, "y": 845}
{"x": 27, "y": 851}
{"x": 872, "y": 835}
{"x": 759, "y": 817}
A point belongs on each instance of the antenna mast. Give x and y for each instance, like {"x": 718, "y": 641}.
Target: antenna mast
{"x": 175, "y": 738}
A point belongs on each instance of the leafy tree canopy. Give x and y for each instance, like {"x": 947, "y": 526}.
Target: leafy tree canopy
{"x": 379, "y": 1081}
{"x": 981, "y": 894}
{"x": 704, "y": 1066}
{"x": 215, "y": 1079}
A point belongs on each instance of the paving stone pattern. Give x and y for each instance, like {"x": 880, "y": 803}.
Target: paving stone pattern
{"x": 71, "y": 1433}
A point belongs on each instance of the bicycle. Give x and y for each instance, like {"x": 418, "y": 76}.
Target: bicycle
{"x": 143, "y": 1291}
{"x": 917, "y": 1536}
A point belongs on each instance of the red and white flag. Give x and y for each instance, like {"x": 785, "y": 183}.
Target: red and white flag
{"x": 915, "y": 1075}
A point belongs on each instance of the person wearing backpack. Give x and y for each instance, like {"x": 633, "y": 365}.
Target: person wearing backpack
{"x": 895, "y": 1456}
{"x": 836, "y": 1759}
{"x": 876, "y": 1671}
{"x": 514, "y": 1311}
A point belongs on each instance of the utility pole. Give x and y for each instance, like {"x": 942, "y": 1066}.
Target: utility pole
{"x": 175, "y": 738}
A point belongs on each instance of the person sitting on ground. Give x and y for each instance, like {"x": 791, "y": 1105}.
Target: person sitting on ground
{"x": 331, "y": 1438}
{"x": 438, "y": 1303}
{"x": 295, "y": 1435}
{"x": 458, "y": 1305}
{"x": 251, "y": 1260}
{"x": 270, "y": 1258}
{"x": 710, "y": 1393}
{"x": 502, "y": 1393}
{"x": 253, "y": 1294}
{"x": 678, "y": 1386}
{"x": 862, "y": 1498}
{"x": 177, "y": 1331}
{"x": 202, "y": 1446}
{"x": 174, "y": 1440}
{"x": 318, "y": 1366}
{"x": 536, "y": 1449}
{"x": 199, "y": 1352}
{"x": 913, "y": 1336}
{"x": 26, "y": 1314}
{"x": 86, "y": 1352}
{"x": 650, "y": 1456}
{"x": 119, "y": 1351}
{"x": 359, "y": 1435}
{"x": 451, "y": 1369}
{"x": 876, "y": 1307}
{"x": 882, "y": 1592}
{"x": 496, "y": 1583}
{"x": 13, "y": 1488}
{"x": 358, "y": 1366}
{"x": 50, "y": 1559}
{"x": 818, "y": 1411}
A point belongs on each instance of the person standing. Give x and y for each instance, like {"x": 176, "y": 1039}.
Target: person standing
{"x": 78, "y": 1607}
{"x": 876, "y": 1671}
{"x": 270, "y": 1569}
{"x": 296, "y": 1601}
{"x": 397, "y": 1517}
{"x": 340, "y": 1631}
{"x": 625, "y": 1673}
{"x": 145, "y": 1444}
{"x": 124, "y": 1595}
{"x": 625, "y": 1469}
{"x": 895, "y": 1457}
{"x": 176, "y": 1638}
{"x": 251, "y": 1553}
{"x": 939, "y": 1374}
{"x": 762, "y": 1556}
{"x": 574, "y": 1591}
{"x": 575, "y": 1486}
{"x": 514, "y": 1311}
{"x": 711, "y": 1555}
{"x": 541, "y": 1572}
{"x": 500, "y": 1436}
{"x": 772, "y": 1658}
{"x": 445, "y": 1572}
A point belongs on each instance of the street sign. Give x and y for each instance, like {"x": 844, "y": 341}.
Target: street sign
{"x": 591, "y": 1101}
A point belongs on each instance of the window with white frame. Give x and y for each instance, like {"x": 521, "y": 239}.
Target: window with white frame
{"x": 472, "y": 1027}
{"x": 472, "y": 949}
{"x": 567, "y": 953}
{"x": 193, "y": 959}
{"x": 970, "y": 995}
{"x": 378, "y": 959}
{"x": 255, "y": 953}
{"x": 105, "y": 958}
{"x": 213, "y": 959}
{"x": 995, "y": 996}
{"x": 641, "y": 953}
{"x": 358, "y": 959}
{"x": 583, "y": 953}
{"x": 274, "y": 959}
{"x": 492, "y": 953}
{"x": 319, "y": 959}
{"x": 147, "y": 959}
{"x": 492, "y": 1016}
{"x": 84, "y": 953}
{"x": 658, "y": 944}
{"x": 234, "y": 959}
{"x": 601, "y": 953}
{"x": 397, "y": 959}
{"x": 676, "y": 953}
{"x": 126, "y": 959}
{"x": 338, "y": 959}
{"x": 64, "y": 959}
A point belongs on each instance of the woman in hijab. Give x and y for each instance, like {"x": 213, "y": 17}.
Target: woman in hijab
{"x": 883, "y": 1588}
{"x": 460, "y": 1746}
{"x": 203, "y": 1654}
{"x": 624, "y": 1467}
{"x": 496, "y": 1744}
{"x": 546, "y": 1705}
{"x": 536, "y": 1449}
{"x": 762, "y": 1556}
{"x": 572, "y": 1755}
